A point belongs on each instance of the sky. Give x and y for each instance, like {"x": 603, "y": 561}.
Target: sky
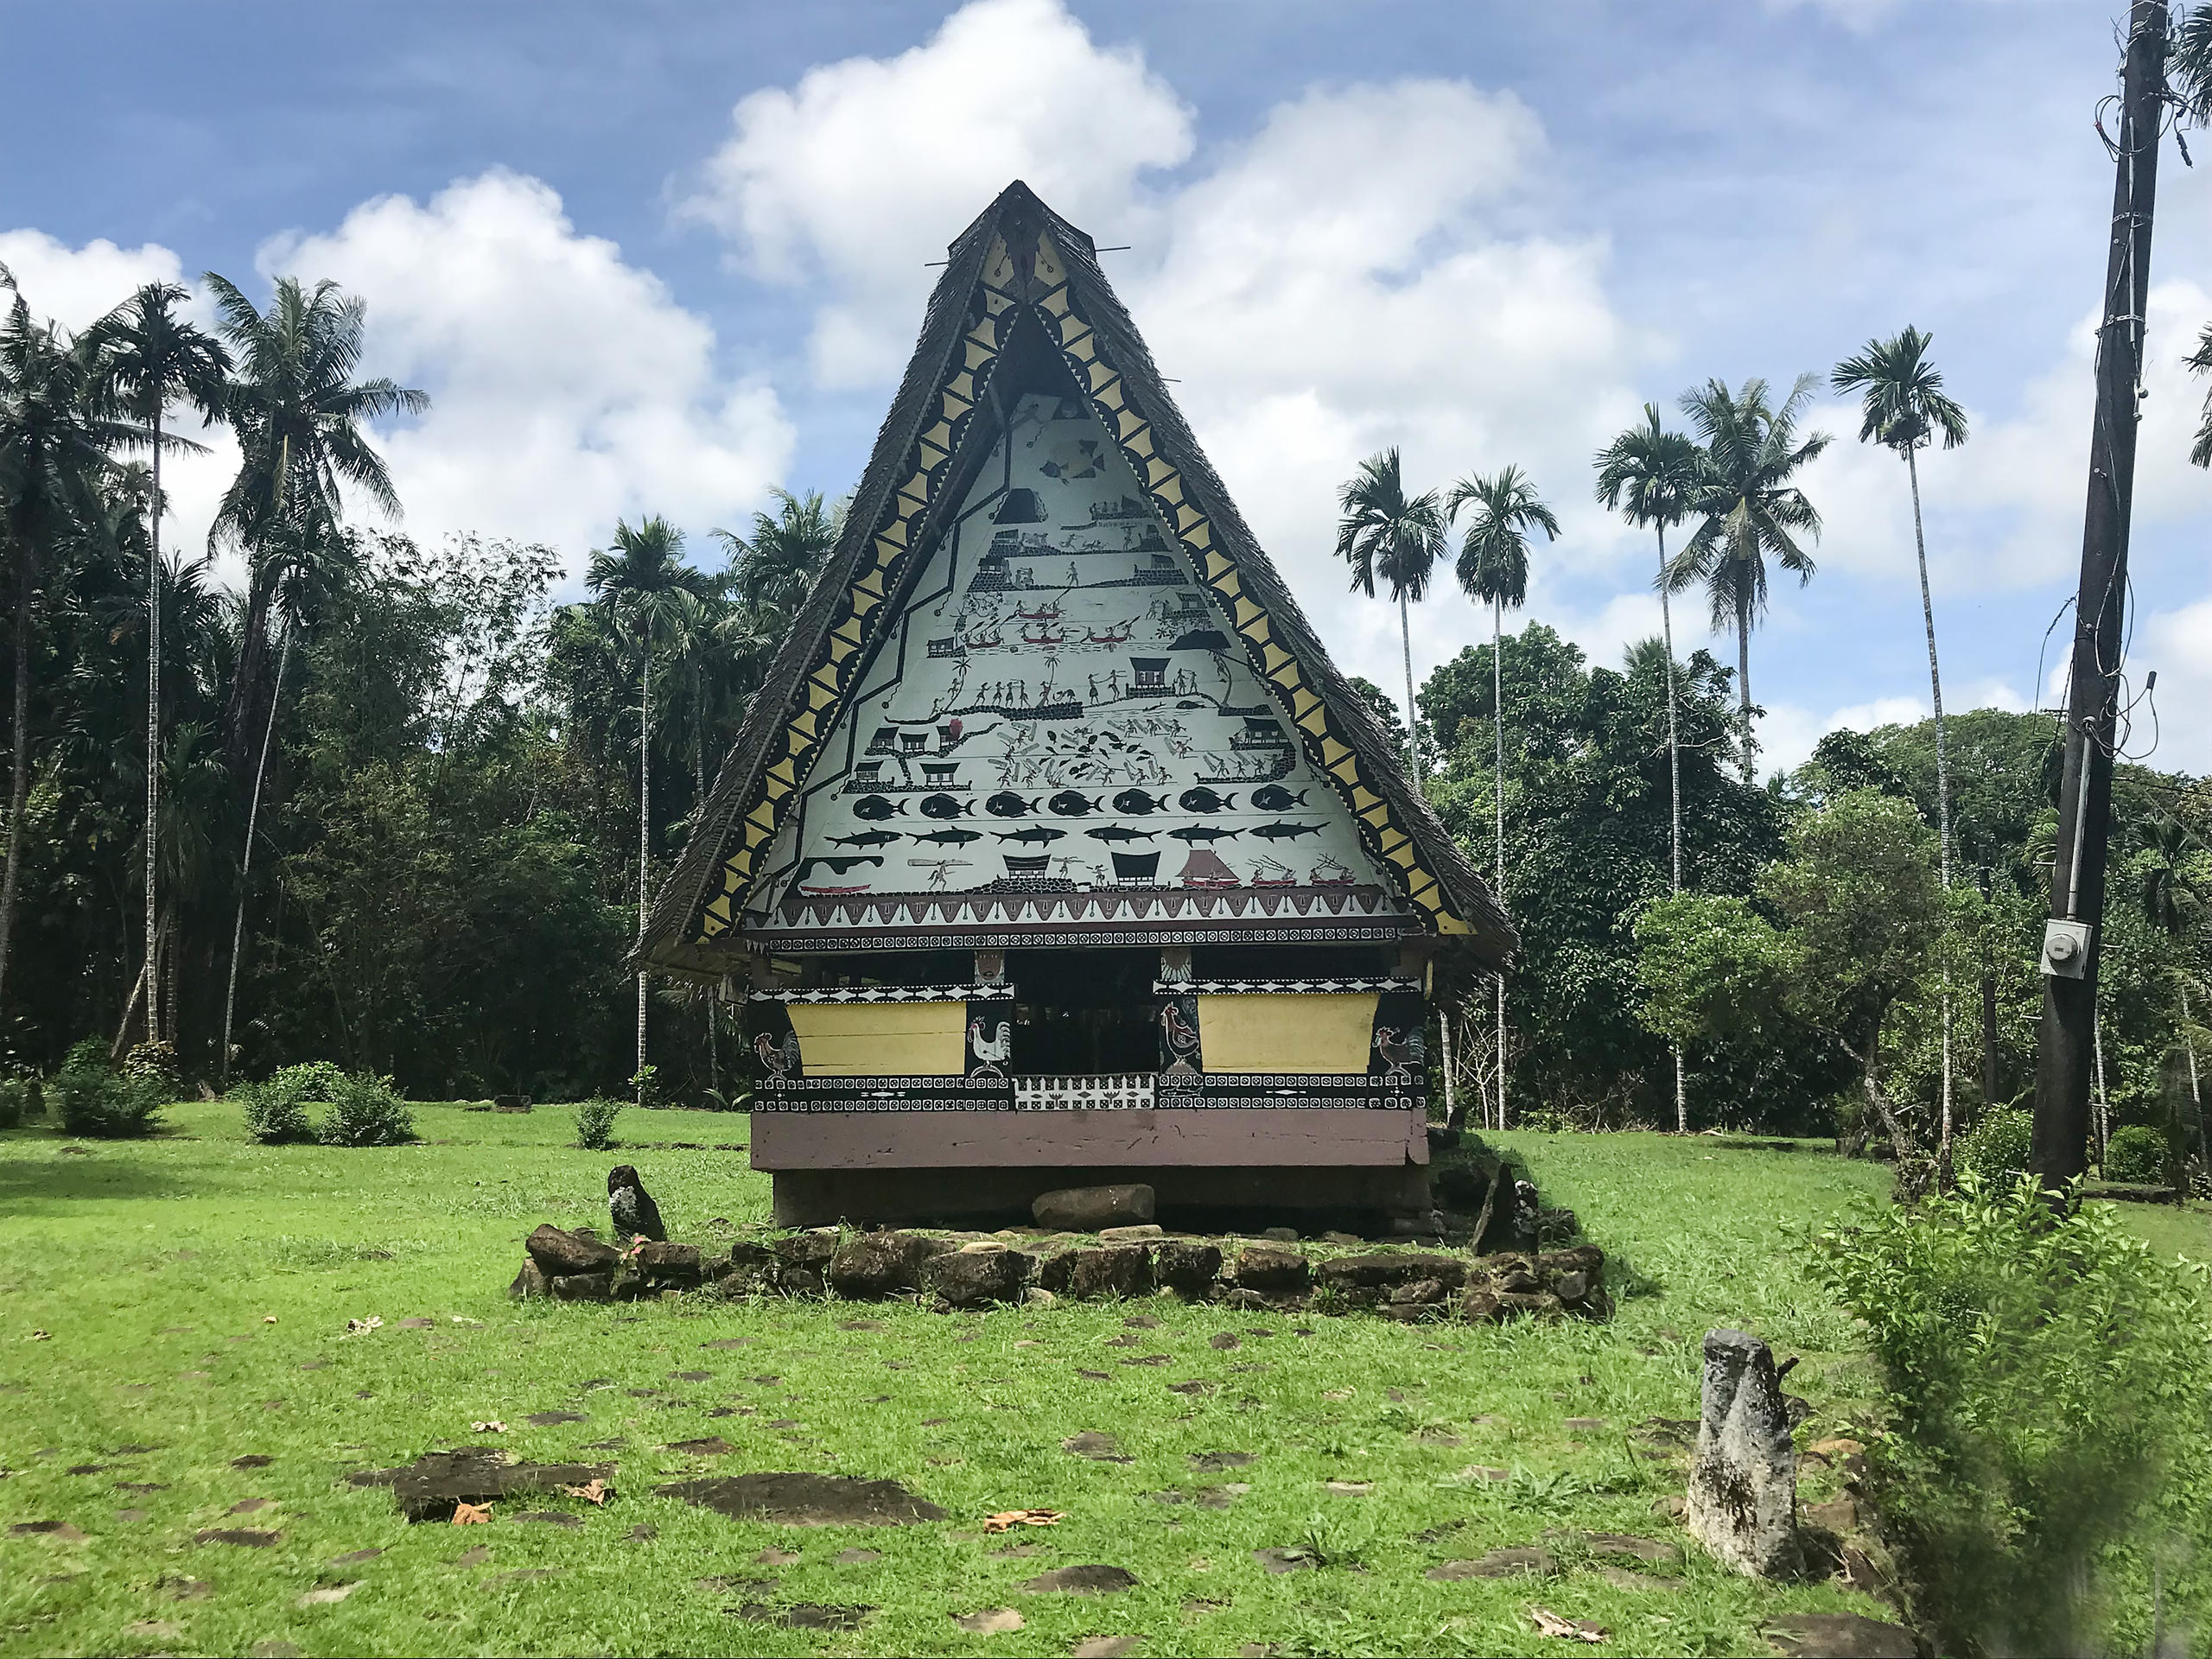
{"x": 657, "y": 257}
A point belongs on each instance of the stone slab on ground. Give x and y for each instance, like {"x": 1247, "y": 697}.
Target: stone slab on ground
{"x": 806, "y": 1500}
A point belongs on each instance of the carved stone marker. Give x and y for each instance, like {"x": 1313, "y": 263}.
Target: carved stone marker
{"x": 1743, "y": 1493}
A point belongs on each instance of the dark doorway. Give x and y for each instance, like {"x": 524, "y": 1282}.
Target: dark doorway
{"x": 1084, "y": 1011}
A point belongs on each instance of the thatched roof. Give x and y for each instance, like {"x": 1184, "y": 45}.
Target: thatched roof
{"x": 1023, "y": 283}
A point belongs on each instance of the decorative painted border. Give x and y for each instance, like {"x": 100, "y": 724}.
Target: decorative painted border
{"x": 890, "y": 993}
{"x": 1101, "y": 1091}
{"x": 1283, "y": 987}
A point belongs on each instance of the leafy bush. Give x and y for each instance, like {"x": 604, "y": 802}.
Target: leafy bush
{"x": 1997, "y": 1148}
{"x": 276, "y": 1110}
{"x": 2137, "y": 1153}
{"x": 595, "y": 1124}
{"x": 98, "y": 1100}
{"x": 2051, "y": 1383}
{"x": 19, "y": 1099}
{"x": 366, "y": 1110}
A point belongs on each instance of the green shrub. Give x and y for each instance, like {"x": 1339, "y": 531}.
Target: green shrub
{"x": 98, "y": 1100}
{"x": 366, "y": 1110}
{"x": 2052, "y": 1389}
{"x": 19, "y": 1099}
{"x": 1997, "y": 1148}
{"x": 595, "y": 1124}
{"x": 276, "y": 1111}
{"x": 2137, "y": 1153}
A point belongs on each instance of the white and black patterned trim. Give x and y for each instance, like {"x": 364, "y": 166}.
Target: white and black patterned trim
{"x": 890, "y": 994}
{"x": 1282, "y": 987}
{"x": 1098, "y": 1092}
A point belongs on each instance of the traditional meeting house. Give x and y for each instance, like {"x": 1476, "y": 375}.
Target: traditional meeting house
{"x": 1054, "y": 850}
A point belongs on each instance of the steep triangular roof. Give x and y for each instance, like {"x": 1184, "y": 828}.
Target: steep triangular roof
{"x": 1022, "y": 280}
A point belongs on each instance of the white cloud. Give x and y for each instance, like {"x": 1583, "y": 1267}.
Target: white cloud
{"x": 1789, "y": 730}
{"x": 2177, "y": 645}
{"x": 568, "y": 386}
{"x": 868, "y": 166}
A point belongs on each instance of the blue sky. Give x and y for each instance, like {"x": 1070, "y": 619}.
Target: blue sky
{"x": 659, "y": 257}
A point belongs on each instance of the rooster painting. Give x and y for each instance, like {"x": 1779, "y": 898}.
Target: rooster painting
{"x": 1181, "y": 1039}
{"x": 990, "y": 1052}
{"x": 1400, "y": 1054}
{"x": 778, "y": 1060}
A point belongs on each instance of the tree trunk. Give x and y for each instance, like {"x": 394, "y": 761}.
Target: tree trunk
{"x": 2196, "y": 1090}
{"x": 1901, "y": 1140}
{"x": 1674, "y": 796}
{"x": 153, "y": 732}
{"x": 1413, "y": 728}
{"x": 644, "y": 784}
{"x": 1444, "y": 1040}
{"x": 245, "y": 859}
{"x": 1943, "y": 806}
{"x": 1744, "y": 676}
{"x": 19, "y": 786}
{"x": 2103, "y": 1122}
{"x": 1497, "y": 700}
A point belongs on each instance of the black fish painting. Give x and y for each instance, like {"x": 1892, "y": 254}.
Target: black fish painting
{"x": 950, "y": 837}
{"x": 1281, "y": 831}
{"x": 1136, "y": 803}
{"x": 1197, "y": 832}
{"x": 1073, "y": 803}
{"x": 838, "y": 866}
{"x": 943, "y": 806}
{"x": 874, "y": 808}
{"x": 865, "y": 838}
{"x": 1120, "y": 832}
{"x": 1007, "y": 804}
{"x": 1276, "y": 798}
{"x": 1202, "y": 799}
{"x": 1036, "y": 834}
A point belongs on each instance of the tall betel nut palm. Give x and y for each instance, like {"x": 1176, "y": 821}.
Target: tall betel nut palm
{"x": 1386, "y": 535}
{"x": 1649, "y": 476}
{"x": 149, "y": 358}
{"x": 299, "y": 416}
{"x": 1903, "y": 408}
{"x": 647, "y": 591}
{"x": 1747, "y": 508}
{"x": 1493, "y": 570}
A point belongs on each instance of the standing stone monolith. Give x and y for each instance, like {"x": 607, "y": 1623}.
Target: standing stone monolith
{"x": 1743, "y": 1495}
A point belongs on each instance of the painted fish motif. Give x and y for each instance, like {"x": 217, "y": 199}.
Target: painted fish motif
{"x": 1036, "y": 834}
{"x": 1281, "y": 831}
{"x": 866, "y": 838}
{"x": 1073, "y": 803}
{"x": 1276, "y": 798}
{"x": 1203, "y": 799}
{"x": 838, "y": 866}
{"x": 944, "y": 806}
{"x": 950, "y": 837}
{"x": 1137, "y": 802}
{"x": 1197, "y": 832}
{"x": 1007, "y": 804}
{"x": 1120, "y": 832}
{"x": 874, "y": 808}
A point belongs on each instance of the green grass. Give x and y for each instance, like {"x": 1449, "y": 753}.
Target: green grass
{"x": 2172, "y": 1229}
{"x": 155, "y": 1266}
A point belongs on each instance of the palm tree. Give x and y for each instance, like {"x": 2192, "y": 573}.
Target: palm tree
{"x": 774, "y": 568}
{"x": 149, "y": 358}
{"x": 55, "y": 451}
{"x": 1649, "y": 475}
{"x": 299, "y": 414}
{"x": 1384, "y": 534}
{"x": 1494, "y": 569}
{"x": 1749, "y": 509}
{"x": 2200, "y": 362}
{"x": 1904, "y": 407}
{"x": 645, "y": 590}
{"x": 2173, "y": 903}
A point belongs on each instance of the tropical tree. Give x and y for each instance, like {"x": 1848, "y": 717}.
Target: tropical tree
{"x": 775, "y": 568}
{"x": 1747, "y": 508}
{"x": 149, "y": 358}
{"x": 1903, "y": 407}
{"x": 55, "y": 450}
{"x": 1384, "y": 533}
{"x": 1493, "y": 570}
{"x": 647, "y": 592}
{"x": 1649, "y": 475}
{"x": 299, "y": 414}
{"x": 2174, "y": 903}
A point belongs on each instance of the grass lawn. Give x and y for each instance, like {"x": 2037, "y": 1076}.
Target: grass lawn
{"x": 195, "y": 1290}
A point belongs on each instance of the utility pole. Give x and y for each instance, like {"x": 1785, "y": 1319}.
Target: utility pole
{"x": 2067, "y": 1041}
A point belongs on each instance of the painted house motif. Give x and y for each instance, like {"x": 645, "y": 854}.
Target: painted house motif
{"x": 1052, "y": 781}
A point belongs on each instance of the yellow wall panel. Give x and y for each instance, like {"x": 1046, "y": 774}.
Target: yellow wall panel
{"x": 881, "y": 1040}
{"x": 1284, "y": 1034}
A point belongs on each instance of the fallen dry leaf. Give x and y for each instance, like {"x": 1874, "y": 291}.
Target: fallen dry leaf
{"x": 362, "y": 1327}
{"x": 472, "y": 1514}
{"x": 269, "y": 1318}
{"x": 1548, "y": 1623}
{"x": 41, "y": 1335}
{"x": 592, "y": 1491}
{"x": 992, "y": 1621}
{"x": 1839, "y": 1447}
{"x": 330, "y": 1594}
{"x": 1006, "y": 1520}
{"x": 491, "y": 1426}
